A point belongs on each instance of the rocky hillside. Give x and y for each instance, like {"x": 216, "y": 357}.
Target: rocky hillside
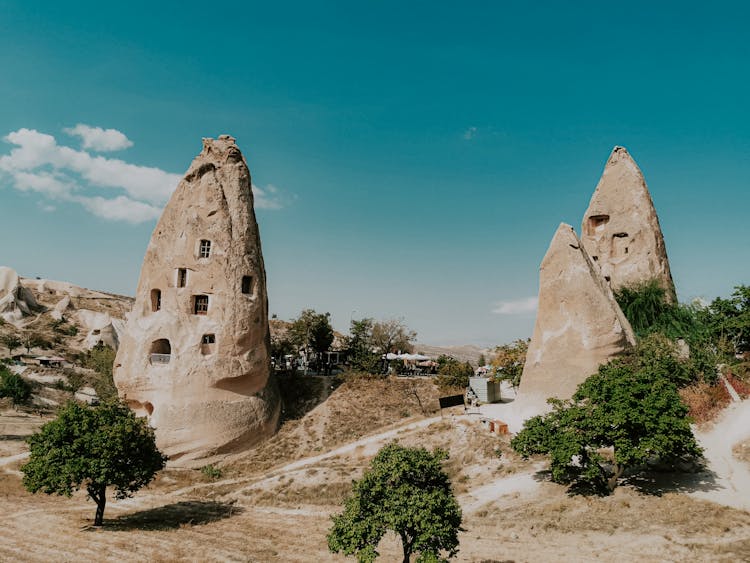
{"x": 53, "y": 317}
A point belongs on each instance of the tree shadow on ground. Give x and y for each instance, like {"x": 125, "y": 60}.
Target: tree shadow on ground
{"x": 648, "y": 481}
{"x": 172, "y": 516}
{"x": 660, "y": 482}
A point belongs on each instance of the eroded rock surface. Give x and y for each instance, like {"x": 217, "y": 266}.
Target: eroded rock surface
{"x": 195, "y": 355}
{"x": 621, "y": 230}
{"x": 16, "y": 301}
{"x": 578, "y": 325}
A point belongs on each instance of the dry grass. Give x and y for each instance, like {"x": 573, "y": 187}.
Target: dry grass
{"x": 705, "y": 401}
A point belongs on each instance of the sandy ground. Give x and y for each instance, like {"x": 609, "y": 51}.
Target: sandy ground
{"x": 511, "y": 510}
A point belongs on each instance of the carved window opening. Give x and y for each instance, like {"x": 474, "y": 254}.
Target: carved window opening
{"x": 595, "y": 258}
{"x": 247, "y": 284}
{"x": 161, "y": 351}
{"x": 596, "y": 223}
{"x": 181, "y": 277}
{"x": 155, "y": 299}
{"x": 619, "y": 245}
{"x": 208, "y": 342}
{"x": 200, "y": 304}
{"x": 204, "y": 250}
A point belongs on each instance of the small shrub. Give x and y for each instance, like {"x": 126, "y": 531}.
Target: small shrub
{"x": 14, "y": 387}
{"x": 212, "y": 472}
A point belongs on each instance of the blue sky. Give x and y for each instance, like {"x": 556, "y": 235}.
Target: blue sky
{"x": 413, "y": 158}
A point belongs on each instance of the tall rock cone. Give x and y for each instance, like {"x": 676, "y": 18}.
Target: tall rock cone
{"x": 578, "y": 326}
{"x": 621, "y": 230}
{"x": 195, "y": 356}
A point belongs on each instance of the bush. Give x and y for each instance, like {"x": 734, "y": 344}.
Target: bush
{"x": 211, "y": 472}
{"x": 14, "y": 386}
{"x": 453, "y": 374}
{"x": 631, "y": 407}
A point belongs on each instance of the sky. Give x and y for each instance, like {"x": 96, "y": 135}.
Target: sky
{"x": 409, "y": 159}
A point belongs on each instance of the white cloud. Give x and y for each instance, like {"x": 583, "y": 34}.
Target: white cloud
{"x": 107, "y": 187}
{"x": 268, "y": 198}
{"x": 120, "y": 208}
{"x": 98, "y": 139}
{"x": 516, "y": 307}
{"x": 470, "y": 133}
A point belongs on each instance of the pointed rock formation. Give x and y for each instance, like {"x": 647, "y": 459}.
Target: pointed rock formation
{"x": 16, "y": 301}
{"x": 578, "y": 326}
{"x": 621, "y": 230}
{"x": 195, "y": 356}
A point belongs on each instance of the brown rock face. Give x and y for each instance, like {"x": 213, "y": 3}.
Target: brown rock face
{"x": 195, "y": 354}
{"x": 621, "y": 230}
{"x": 578, "y": 325}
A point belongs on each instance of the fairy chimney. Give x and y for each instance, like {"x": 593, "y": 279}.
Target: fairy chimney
{"x": 621, "y": 230}
{"x": 578, "y": 326}
{"x": 195, "y": 356}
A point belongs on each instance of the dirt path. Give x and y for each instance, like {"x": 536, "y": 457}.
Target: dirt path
{"x": 732, "y": 476}
{"x": 515, "y": 485}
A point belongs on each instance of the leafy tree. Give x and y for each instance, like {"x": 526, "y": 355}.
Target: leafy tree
{"x": 393, "y": 336}
{"x": 508, "y": 361}
{"x": 405, "y": 490}
{"x": 312, "y": 331}
{"x": 729, "y": 319}
{"x": 482, "y": 361}
{"x": 93, "y": 447}
{"x": 452, "y": 373}
{"x": 11, "y": 341}
{"x": 14, "y": 386}
{"x": 34, "y": 340}
{"x": 629, "y": 406}
{"x": 360, "y": 346}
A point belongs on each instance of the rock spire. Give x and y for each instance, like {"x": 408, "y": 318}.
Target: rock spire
{"x": 195, "y": 356}
{"x": 578, "y": 325}
{"x": 621, "y": 230}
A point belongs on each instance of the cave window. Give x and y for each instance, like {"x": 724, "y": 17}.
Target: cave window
{"x": 161, "y": 351}
{"x": 247, "y": 284}
{"x": 207, "y": 344}
{"x": 204, "y": 250}
{"x": 155, "y": 299}
{"x": 596, "y": 224}
{"x": 181, "y": 277}
{"x": 200, "y": 304}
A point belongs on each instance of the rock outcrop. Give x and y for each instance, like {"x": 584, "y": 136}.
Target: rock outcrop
{"x": 195, "y": 355}
{"x": 621, "y": 230}
{"x": 578, "y": 326}
{"x": 16, "y": 301}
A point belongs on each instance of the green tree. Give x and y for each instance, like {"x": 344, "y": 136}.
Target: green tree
{"x": 508, "y": 361}
{"x": 452, "y": 373}
{"x": 393, "y": 335}
{"x": 312, "y": 331}
{"x": 628, "y": 406}
{"x": 93, "y": 447}
{"x": 406, "y": 491}
{"x": 11, "y": 341}
{"x": 360, "y": 346}
{"x": 729, "y": 319}
{"x": 14, "y": 386}
{"x": 481, "y": 361}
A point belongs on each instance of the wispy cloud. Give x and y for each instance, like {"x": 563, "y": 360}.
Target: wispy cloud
{"x": 98, "y": 139}
{"x": 470, "y": 133}
{"x": 109, "y": 188}
{"x": 270, "y": 197}
{"x": 521, "y": 306}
